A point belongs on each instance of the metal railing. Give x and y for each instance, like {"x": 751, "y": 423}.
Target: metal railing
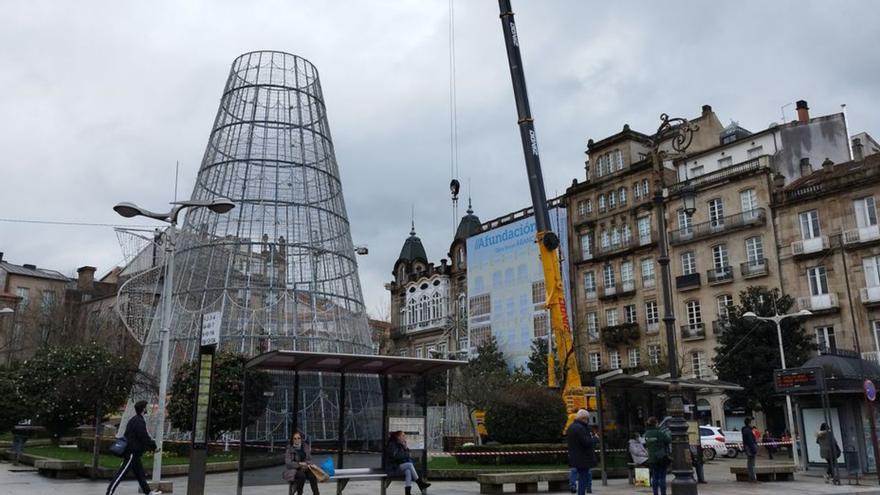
{"x": 754, "y": 268}
{"x": 819, "y": 303}
{"x": 870, "y": 295}
{"x": 693, "y": 331}
{"x": 864, "y": 234}
{"x": 652, "y": 327}
{"x": 720, "y": 274}
{"x": 757, "y": 163}
{"x": 689, "y": 281}
{"x": 757, "y": 216}
{"x": 872, "y": 356}
{"x": 649, "y": 282}
{"x": 808, "y": 246}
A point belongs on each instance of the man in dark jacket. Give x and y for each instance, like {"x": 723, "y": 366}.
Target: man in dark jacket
{"x": 139, "y": 441}
{"x": 581, "y": 451}
{"x": 750, "y": 446}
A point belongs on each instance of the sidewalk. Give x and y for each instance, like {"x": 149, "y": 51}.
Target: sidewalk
{"x": 22, "y": 480}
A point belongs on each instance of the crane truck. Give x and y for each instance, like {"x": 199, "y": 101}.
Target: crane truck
{"x": 574, "y": 394}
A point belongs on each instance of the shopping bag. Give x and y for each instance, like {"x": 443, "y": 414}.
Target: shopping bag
{"x": 327, "y": 466}
{"x": 643, "y": 477}
{"x": 319, "y": 473}
{"x": 118, "y": 447}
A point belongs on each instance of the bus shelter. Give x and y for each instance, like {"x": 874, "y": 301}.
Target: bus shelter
{"x": 344, "y": 404}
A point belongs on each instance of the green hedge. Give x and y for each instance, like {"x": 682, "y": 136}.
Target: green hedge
{"x": 526, "y": 413}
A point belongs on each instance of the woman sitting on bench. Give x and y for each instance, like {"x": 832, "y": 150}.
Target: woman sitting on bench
{"x": 400, "y": 463}
{"x": 297, "y": 460}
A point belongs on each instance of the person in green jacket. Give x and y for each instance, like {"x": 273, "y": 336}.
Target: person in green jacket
{"x": 657, "y": 443}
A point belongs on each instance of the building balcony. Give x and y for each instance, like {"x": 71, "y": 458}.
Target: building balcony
{"x": 872, "y": 356}
{"x": 864, "y": 234}
{"x": 823, "y": 303}
{"x": 649, "y": 283}
{"x": 586, "y": 256}
{"x": 691, "y": 233}
{"x": 720, "y": 326}
{"x": 590, "y": 295}
{"x": 652, "y": 328}
{"x": 720, "y": 275}
{"x": 754, "y": 268}
{"x": 724, "y": 174}
{"x": 807, "y": 247}
{"x": 593, "y": 335}
{"x": 870, "y": 296}
{"x": 607, "y": 291}
{"x": 687, "y": 282}
{"x": 625, "y": 288}
{"x": 693, "y": 331}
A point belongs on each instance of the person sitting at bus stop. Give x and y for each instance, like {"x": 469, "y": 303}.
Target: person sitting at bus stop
{"x": 400, "y": 463}
{"x": 297, "y": 459}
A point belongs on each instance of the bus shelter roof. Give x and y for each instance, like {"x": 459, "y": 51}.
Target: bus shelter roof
{"x": 349, "y": 363}
{"x": 643, "y": 382}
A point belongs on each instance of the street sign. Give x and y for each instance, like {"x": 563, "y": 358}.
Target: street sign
{"x": 798, "y": 380}
{"x": 870, "y": 390}
{"x": 211, "y": 328}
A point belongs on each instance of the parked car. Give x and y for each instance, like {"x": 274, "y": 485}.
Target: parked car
{"x": 713, "y": 442}
{"x": 734, "y": 442}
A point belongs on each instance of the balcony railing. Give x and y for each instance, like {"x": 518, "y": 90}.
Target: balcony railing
{"x": 686, "y": 282}
{"x": 649, "y": 282}
{"x": 810, "y": 246}
{"x": 872, "y": 356}
{"x": 652, "y": 327}
{"x": 720, "y": 275}
{"x": 620, "y": 289}
{"x": 720, "y": 326}
{"x": 590, "y": 295}
{"x": 822, "y": 302}
{"x": 754, "y": 268}
{"x": 870, "y": 295}
{"x": 724, "y": 173}
{"x": 693, "y": 331}
{"x": 757, "y": 216}
{"x": 608, "y": 291}
{"x": 626, "y": 287}
{"x": 864, "y": 234}
{"x": 587, "y": 256}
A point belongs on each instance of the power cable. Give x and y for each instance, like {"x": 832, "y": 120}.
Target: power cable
{"x": 76, "y": 224}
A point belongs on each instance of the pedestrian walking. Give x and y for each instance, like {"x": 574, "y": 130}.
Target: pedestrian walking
{"x": 750, "y": 446}
{"x": 582, "y": 451}
{"x": 138, "y": 441}
{"x": 297, "y": 465}
{"x": 828, "y": 450}
{"x": 657, "y": 443}
{"x": 769, "y": 444}
{"x": 400, "y": 463}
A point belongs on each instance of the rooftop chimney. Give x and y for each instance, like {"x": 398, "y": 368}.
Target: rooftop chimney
{"x": 857, "y": 147}
{"x": 827, "y": 164}
{"x": 803, "y": 111}
{"x": 806, "y": 168}
{"x": 707, "y": 109}
{"x": 29, "y": 266}
{"x": 85, "y": 278}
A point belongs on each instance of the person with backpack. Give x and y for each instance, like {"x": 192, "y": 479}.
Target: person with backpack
{"x": 750, "y": 447}
{"x": 828, "y": 449}
{"x": 137, "y": 441}
{"x": 657, "y": 443}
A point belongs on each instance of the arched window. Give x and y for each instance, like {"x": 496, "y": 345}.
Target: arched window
{"x": 462, "y": 261}
{"x": 401, "y": 273}
{"x": 423, "y": 308}
{"x": 436, "y": 306}
{"x": 601, "y": 202}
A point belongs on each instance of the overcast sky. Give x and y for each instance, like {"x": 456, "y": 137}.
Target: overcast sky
{"x": 99, "y": 99}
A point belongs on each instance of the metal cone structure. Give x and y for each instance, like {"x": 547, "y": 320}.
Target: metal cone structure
{"x": 280, "y": 267}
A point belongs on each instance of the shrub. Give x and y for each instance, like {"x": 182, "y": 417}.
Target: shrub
{"x": 526, "y": 412}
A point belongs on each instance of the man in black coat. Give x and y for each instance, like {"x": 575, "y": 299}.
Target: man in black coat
{"x": 750, "y": 446}
{"x": 581, "y": 451}
{"x": 139, "y": 441}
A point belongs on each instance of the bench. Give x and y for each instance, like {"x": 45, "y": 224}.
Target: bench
{"x": 55, "y": 468}
{"x": 343, "y": 476}
{"x": 526, "y": 482}
{"x": 765, "y": 473}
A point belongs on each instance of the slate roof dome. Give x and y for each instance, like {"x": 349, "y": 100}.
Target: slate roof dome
{"x": 412, "y": 249}
{"x": 469, "y": 225}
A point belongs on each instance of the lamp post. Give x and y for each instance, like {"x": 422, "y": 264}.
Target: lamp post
{"x": 777, "y": 319}
{"x": 679, "y": 132}
{"x": 130, "y": 210}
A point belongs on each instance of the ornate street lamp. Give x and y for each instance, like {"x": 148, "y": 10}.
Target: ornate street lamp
{"x": 679, "y": 133}
{"x": 689, "y": 199}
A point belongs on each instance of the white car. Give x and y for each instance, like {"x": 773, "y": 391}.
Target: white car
{"x": 713, "y": 442}
{"x": 734, "y": 442}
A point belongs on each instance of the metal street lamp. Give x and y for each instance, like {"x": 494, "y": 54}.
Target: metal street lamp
{"x": 777, "y": 319}
{"x": 130, "y": 210}
{"x": 679, "y": 133}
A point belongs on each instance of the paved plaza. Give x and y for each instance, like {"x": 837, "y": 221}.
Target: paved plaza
{"x": 22, "y": 480}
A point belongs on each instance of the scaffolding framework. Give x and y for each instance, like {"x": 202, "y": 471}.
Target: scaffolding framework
{"x": 280, "y": 266}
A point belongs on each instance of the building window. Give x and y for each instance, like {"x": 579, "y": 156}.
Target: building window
{"x": 582, "y": 208}
{"x": 621, "y": 196}
{"x": 719, "y": 257}
{"x": 825, "y": 338}
{"x": 539, "y": 292}
{"x": 25, "y": 294}
{"x": 601, "y": 202}
{"x": 615, "y": 237}
{"x": 462, "y": 257}
{"x": 614, "y": 357}
{"x": 612, "y": 200}
{"x": 698, "y": 365}
{"x": 648, "y": 278}
{"x": 875, "y": 326}
{"x": 645, "y": 188}
{"x": 593, "y": 326}
{"x": 724, "y": 301}
{"x": 419, "y": 351}
{"x": 403, "y": 353}
{"x": 375, "y": 346}
{"x": 748, "y": 201}
{"x": 627, "y": 233}
{"x": 654, "y": 354}
{"x": 626, "y": 272}
{"x": 480, "y": 305}
{"x": 866, "y": 212}
{"x": 810, "y": 225}
{"x": 595, "y": 361}
{"x": 872, "y": 270}
{"x": 634, "y": 357}
{"x": 684, "y": 222}
{"x": 694, "y": 313}
{"x": 629, "y": 313}
{"x": 637, "y": 191}
{"x": 688, "y": 263}
{"x": 755, "y": 251}
{"x": 590, "y": 284}
{"x": 606, "y": 239}
{"x": 589, "y": 206}
{"x": 755, "y": 152}
{"x": 541, "y": 325}
{"x": 644, "y": 226}
{"x": 716, "y": 213}
{"x": 586, "y": 245}
{"x": 608, "y": 271}
{"x": 652, "y": 316}
{"x": 818, "y": 280}
{"x": 617, "y": 159}
{"x": 611, "y": 317}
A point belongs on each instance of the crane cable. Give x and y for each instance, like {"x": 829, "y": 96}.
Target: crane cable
{"x": 453, "y": 119}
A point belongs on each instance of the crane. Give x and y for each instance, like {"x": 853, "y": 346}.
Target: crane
{"x": 573, "y": 392}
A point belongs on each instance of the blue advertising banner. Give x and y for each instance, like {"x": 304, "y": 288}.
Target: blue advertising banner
{"x": 506, "y": 285}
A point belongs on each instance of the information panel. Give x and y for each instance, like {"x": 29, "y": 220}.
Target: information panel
{"x": 203, "y": 400}
{"x": 414, "y": 428}
{"x": 798, "y": 380}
